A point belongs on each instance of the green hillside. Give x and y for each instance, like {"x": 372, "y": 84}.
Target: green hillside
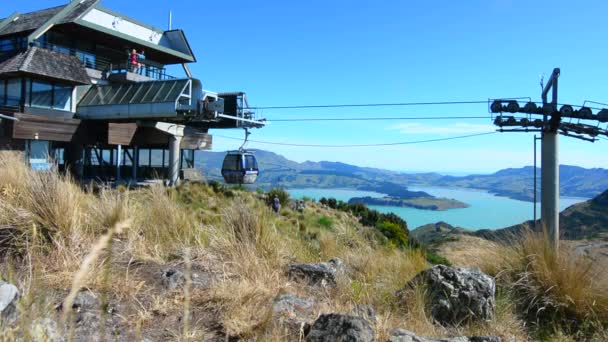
{"x": 516, "y": 183}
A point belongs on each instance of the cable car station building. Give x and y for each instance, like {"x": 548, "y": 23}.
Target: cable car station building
{"x": 69, "y": 95}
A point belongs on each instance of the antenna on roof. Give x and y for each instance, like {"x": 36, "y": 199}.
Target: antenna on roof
{"x": 170, "y": 19}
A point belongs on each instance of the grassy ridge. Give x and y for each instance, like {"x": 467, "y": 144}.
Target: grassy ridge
{"x": 58, "y": 239}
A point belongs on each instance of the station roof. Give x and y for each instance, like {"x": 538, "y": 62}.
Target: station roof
{"x": 88, "y": 18}
{"x": 134, "y": 93}
{"x": 46, "y": 63}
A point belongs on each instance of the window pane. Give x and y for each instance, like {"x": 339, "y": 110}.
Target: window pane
{"x": 2, "y": 92}
{"x": 42, "y": 94}
{"x": 39, "y": 153}
{"x": 232, "y": 162}
{"x": 250, "y": 163}
{"x": 62, "y": 98}
{"x": 13, "y": 92}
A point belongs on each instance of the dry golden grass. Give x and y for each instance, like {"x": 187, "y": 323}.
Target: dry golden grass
{"x": 560, "y": 293}
{"x": 557, "y": 287}
{"x": 60, "y": 234}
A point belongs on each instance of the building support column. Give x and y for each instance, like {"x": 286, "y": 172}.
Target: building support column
{"x": 135, "y": 164}
{"x": 174, "y": 154}
{"x": 176, "y": 133}
{"x": 118, "y": 162}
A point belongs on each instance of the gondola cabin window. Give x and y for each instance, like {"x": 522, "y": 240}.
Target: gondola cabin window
{"x": 250, "y": 162}
{"x": 232, "y": 162}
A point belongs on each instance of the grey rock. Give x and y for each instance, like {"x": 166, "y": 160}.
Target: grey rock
{"x": 94, "y": 321}
{"x": 292, "y": 305}
{"x": 341, "y": 328}
{"x": 320, "y": 274}
{"x": 457, "y": 295}
{"x": 294, "y": 314}
{"x": 9, "y": 296}
{"x": 402, "y": 335}
{"x": 172, "y": 278}
{"x": 366, "y": 312}
{"x": 46, "y": 329}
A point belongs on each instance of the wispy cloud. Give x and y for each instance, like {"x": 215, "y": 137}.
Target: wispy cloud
{"x": 456, "y": 128}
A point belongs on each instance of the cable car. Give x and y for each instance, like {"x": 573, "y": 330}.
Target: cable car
{"x": 240, "y": 167}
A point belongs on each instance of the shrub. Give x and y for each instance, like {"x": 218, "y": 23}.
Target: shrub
{"x": 393, "y": 232}
{"x": 280, "y": 193}
{"x": 325, "y": 222}
{"x": 437, "y": 259}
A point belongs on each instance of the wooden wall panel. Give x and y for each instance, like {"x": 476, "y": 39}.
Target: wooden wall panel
{"x": 121, "y": 133}
{"x": 44, "y": 128}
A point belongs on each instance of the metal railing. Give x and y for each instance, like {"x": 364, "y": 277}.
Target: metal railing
{"x": 144, "y": 68}
{"x": 106, "y": 65}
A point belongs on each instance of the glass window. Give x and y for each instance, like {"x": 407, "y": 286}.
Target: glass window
{"x": 232, "y": 162}
{"x": 250, "y": 163}
{"x": 39, "y": 154}
{"x": 13, "y": 92}
{"x": 157, "y": 158}
{"x": 6, "y": 44}
{"x": 187, "y": 159}
{"x": 2, "y": 92}
{"x": 62, "y": 98}
{"x": 144, "y": 157}
{"x": 42, "y": 95}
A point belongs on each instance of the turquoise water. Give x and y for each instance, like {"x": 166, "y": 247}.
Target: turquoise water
{"x": 485, "y": 210}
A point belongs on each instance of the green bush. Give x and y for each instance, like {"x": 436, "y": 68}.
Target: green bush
{"x": 437, "y": 259}
{"x": 325, "y": 222}
{"x": 393, "y": 232}
{"x": 280, "y": 193}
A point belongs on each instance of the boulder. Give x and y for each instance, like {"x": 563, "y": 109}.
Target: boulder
{"x": 294, "y": 314}
{"x": 456, "y": 295}
{"x": 46, "y": 329}
{"x": 9, "y": 296}
{"x": 402, "y": 335}
{"x": 320, "y": 274}
{"x": 366, "y": 312}
{"x": 172, "y": 278}
{"x": 340, "y": 328}
{"x": 93, "y": 321}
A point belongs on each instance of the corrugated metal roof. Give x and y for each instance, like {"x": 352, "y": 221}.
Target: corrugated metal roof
{"x": 46, "y": 63}
{"x": 134, "y": 93}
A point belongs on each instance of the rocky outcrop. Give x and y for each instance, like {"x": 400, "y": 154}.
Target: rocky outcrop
{"x": 402, "y": 335}
{"x": 320, "y": 274}
{"x": 339, "y": 327}
{"x": 9, "y": 296}
{"x": 366, "y": 312}
{"x": 456, "y": 295}
{"x": 294, "y": 314}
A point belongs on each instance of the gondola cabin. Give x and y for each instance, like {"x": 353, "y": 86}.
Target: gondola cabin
{"x": 240, "y": 167}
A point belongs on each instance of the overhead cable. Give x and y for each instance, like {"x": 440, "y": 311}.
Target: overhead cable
{"x": 362, "y": 145}
{"x": 382, "y": 118}
{"x": 373, "y": 105}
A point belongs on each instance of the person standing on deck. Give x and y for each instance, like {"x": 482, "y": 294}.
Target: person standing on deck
{"x": 133, "y": 61}
{"x": 140, "y": 58}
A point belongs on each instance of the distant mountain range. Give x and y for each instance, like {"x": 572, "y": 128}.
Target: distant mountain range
{"x": 516, "y": 183}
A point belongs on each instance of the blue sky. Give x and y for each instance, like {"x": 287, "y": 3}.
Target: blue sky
{"x": 335, "y": 52}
